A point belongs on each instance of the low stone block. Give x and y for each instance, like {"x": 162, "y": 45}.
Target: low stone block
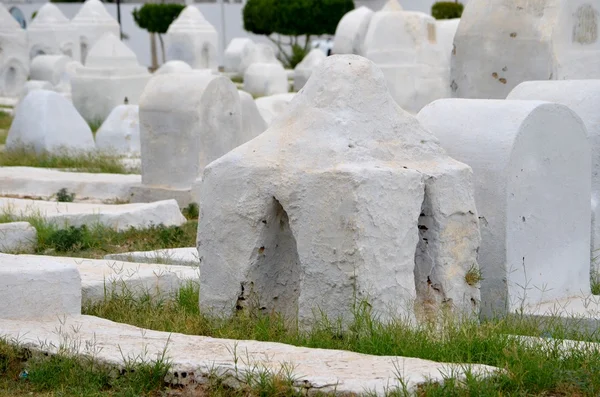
{"x": 17, "y": 237}
{"x": 30, "y": 289}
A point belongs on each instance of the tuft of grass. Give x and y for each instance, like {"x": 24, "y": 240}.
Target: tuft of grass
{"x": 78, "y": 162}
{"x": 95, "y": 126}
{"x": 473, "y": 276}
{"x": 68, "y": 374}
{"x": 237, "y": 79}
{"x": 595, "y": 283}
{"x": 191, "y": 212}
{"x": 96, "y": 241}
{"x": 63, "y": 196}
{"x": 5, "y": 123}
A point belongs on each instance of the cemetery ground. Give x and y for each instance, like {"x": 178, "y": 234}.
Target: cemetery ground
{"x": 540, "y": 366}
{"x": 543, "y": 368}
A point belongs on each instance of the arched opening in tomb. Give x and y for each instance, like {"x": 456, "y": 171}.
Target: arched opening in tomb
{"x": 274, "y": 277}
{"x": 429, "y": 293}
{"x": 205, "y": 57}
{"x": 83, "y": 47}
{"x": 585, "y": 29}
{"x": 10, "y": 80}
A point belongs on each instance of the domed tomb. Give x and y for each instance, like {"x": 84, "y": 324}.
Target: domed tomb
{"x": 191, "y": 38}
{"x": 111, "y": 74}
{"x": 91, "y": 23}
{"x": 50, "y": 33}
{"x": 14, "y": 59}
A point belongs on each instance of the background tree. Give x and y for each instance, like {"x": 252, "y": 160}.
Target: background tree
{"x": 447, "y": 10}
{"x": 296, "y": 20}
{"x": 156, "y": 18}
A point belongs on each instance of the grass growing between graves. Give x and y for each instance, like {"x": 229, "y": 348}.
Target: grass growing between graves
{"x": 541, "y": 370}
{"x": 23, "y": 373}
{"x": 5, "y": 122}
{"x": 77, "y": 162}
{"x": 96, "y": 241}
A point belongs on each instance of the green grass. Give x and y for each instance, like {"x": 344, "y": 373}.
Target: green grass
{"x": 96, "y": 241}
{"x": 5, "y": 122}
{"x": 84, "y": 162}
{"x": 530, "y": 371}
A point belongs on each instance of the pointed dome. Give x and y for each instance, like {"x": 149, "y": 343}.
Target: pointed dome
{"x": 49, "y": 15}
{"x": 93, "y": 11}
{"x": 7, "y": 22}
{"x": 190, "y": 19}
{"x": 110, "y": 52}
{"x": 392, "y": 6}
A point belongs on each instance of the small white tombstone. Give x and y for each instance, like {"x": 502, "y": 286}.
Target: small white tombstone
{"x": 253, "y": 123}
{"x": 14, "y": 58}
{"x": 270, "y": 107}
{"x": 187, "y": 120}
{"x": 404, "y": 45}
{"x": 50, "y": 33}
{"x": 111, "y": 74}
{"x": 257, "y": 53}
{"x": 47, "y": 122}
{"x": 264, "y": 79}
{"x": 58, "y": 70}
{"x": 531, "y": 165}
{"x": 234, "y": 54}
{"x": 345, "y": 197}
{"x": 583, "y": 97}
{"x": 191, "y": 38}
{"x": 120, "y": 132}
{"x": 91, "y": 22}
{"x": 351, "y": 31}
{"x": 305, "y": 68}
{"x": 500, "y": 44}
{"x": 174, "y": 67}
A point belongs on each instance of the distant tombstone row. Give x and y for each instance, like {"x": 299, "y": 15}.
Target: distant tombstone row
{"x": 14, "y": 59}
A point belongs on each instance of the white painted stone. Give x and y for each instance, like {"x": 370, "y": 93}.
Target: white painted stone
{"x": 532, "y": 188}
{"x": 91, "y": 22}
{"x": 234, "y": 54}
{"x": 44, "y": 183}
{"x": 345, "y": 193}
{"x": 404, "y": 45}
{"x": 446, "y": 30}
{"x": 253, "y": 123}
{"x": 500, "y": 44}
{"x": 351, "y": 31}
{"x": 47, "y": 122}
{"x": 191, "y": 38}
{"x": 583, "y": 97}
{"x": 120, "y": 132}
{"x": 272, "y": 106}
{"x": 305, "y": 68}
{"x": 263, "y": 79}
{"x": 117, "y": 216}
{"x": 174, "y": 67}
{"x": 30, "y": 290}
{"x": 50, "y": 33}
{"x": 99, "y": 276}
{"x": 111, "y": 74}
{"x": 257, "y": 53}
{"x": 200, "y": 358}
{"x": 17, "y": 237}
{"x": 58, "y": 70}
{"x": 32, "y": 85}
{"x": 171, "y": 256}
{"x": 187, "y": 120}
{"x": 14, "y": 57}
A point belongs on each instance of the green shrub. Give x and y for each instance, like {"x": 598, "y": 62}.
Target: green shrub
{"x": 63, "y": 196}
{"x": 447, "y": 10}
{"x": 68, "y": 239}
{"x": 295, "y": 19}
